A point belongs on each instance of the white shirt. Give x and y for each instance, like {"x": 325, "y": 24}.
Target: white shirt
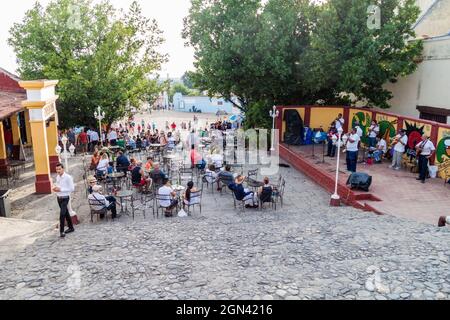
{"x": 217, "y": 160}
{"x": 65, "y": 183}
{"x": 401, "y": 147}
{"x": 103, "y": 165}
{"x": 165, "y": 196}
{"x": 112, "y": 135}
{"x": 94, "y": 136}
{"x": 373, "y": 131}
{"x": 427, "y": 148}
{"x": 359, "y": 131}
{"x": 101, "y": 199}
{"x": 381, "y": 145}
{"x": 339, "y": 123}
{"x": 353, "y": 146}
{"x": 211, "y": 176}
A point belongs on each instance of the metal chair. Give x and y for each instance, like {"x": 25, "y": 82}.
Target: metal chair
{"x": 224, "y": 182}
{"x": 237, "y": 202}
{"x": 196, "y": 200}
{"x": 278, "y": 193}
{"x": 157, "y": 205}
{"x": 266, "y": 197}
{"x": 93, "y": 203}
{"x": 253, "y": 174}
{"x": 208, "y": 182}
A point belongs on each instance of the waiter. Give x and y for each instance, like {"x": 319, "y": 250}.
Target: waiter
{"x": 64, "y": 187}
{"x": 425, "y": 150}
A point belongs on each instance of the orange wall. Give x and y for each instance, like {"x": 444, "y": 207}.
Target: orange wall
{"x": 322, "y": 117}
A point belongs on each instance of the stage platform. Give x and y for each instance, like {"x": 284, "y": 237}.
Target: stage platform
{"x": 392, "y": 192}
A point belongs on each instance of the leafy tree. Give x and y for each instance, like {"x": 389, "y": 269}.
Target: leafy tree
{"x": 101, "y": 56}
{"x": 347, "y": 58}
{"x": 187, "y": 79}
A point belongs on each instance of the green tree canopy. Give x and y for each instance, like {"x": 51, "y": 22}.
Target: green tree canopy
{"x": 102, "y": 56}
{"x": 300, "y": 51}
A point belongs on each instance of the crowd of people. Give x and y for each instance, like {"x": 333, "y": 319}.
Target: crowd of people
{"x": 377, "y": 147}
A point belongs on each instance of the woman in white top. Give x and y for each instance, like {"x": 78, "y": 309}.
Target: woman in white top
{"x": 102, "y": 166}
{"x": 210, "y": 174}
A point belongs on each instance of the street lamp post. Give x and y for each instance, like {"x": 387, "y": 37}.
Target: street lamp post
{"x": 274, "y": 113}
{"x": 100, "y": 115}
{"x": 65, "y": 154}
{"x": 335, "y": 199}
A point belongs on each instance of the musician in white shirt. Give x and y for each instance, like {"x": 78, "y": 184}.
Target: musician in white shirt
{"x": 374, "y": 130}
{"x": 352, "y": 150}
{"x": 399, "y": 149}
{"x": 63, "y": 188}
{"x": 380, "y": 149}
{"x": 339, "y": 123}
{"x": 425, "y": 149}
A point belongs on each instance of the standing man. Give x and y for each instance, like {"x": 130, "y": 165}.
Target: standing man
{"x": 339, "y": 122}
{"x": 399, "y": 149}
{"x": 112, "y": 137}
{"x": 63, "y": 188}
{"x": 352, "y": 150}
{"x": 425, "y": 150}
{"x": 94, "y": 138}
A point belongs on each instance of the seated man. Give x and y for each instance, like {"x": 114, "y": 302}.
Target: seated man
{"x": 380, "y": 149}
{"x": 157, "y": 175}
{"x": 122, "y": 162}
{"x": 225, "y": 175}
{"x": 265, "y": 192}
{"x": 102, "y": 202}
{"x": 138, "y": 177}
{"x": 242, "y": 194}
{"x": 166, "y": 197}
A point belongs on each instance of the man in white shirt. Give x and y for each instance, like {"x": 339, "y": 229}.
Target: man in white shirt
{"x": 63, "y": 188}
{"x": 112, "y": 137}
{"x": 425, "y": 149}
{"x": 93, "y": 139}
{"x": 359, "y": 131}
{"x": 339, "y": 123}
{"x": 166, "y": 197}
{"x": 399, "y": 149}
{"x": 374, "y": 130}
{"x": 380, "y": 149}
{"x": 352, "y": 150}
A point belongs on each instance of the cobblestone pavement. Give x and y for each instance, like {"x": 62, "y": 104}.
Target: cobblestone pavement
{"x": 306, "y": 250}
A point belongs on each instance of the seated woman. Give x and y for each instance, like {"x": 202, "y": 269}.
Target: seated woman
{"x": 210, "y": 174}
{"x": 265, "y": 192}
{"x": 99, "y": 201}
{"x": 95, "y": 159}
{"x": 243, "y": 194}
{"x": 188, "y": 200}
{"x": 149, "y": 164}
{"x": 102, "y": 167}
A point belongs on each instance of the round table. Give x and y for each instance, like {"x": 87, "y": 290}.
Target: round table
{"x": 123, "y": 195}
{"x": 116, "y": 176}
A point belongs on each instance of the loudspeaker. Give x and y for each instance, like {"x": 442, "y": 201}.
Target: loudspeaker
{"x": 294, "y": 134}
{"x": 359, "y": 180}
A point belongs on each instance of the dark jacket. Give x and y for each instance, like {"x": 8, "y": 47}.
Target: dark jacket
{"x": 238, "y": 190}
{"x": 122, "y": 162}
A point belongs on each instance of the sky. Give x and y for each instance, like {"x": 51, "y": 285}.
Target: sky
{"x": 168, "y": 13}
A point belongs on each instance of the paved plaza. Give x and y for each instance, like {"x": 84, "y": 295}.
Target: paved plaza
{"x": 306, "y": 250}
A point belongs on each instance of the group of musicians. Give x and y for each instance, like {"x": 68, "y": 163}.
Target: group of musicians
{"x": 377, "y": 146}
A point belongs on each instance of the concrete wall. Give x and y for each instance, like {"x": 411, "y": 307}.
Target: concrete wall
{"x": 429, "y": 85}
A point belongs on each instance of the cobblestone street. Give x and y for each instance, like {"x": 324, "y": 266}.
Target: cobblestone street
{"x": 306, "y": 250}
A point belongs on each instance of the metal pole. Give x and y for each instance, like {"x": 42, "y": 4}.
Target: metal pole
{"x": 335, "y": 195}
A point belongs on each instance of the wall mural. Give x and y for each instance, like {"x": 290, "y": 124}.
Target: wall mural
{"x": 414, "y": 134}
{"x": 365, "y": 120}
{"x": 388, "y": 129}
